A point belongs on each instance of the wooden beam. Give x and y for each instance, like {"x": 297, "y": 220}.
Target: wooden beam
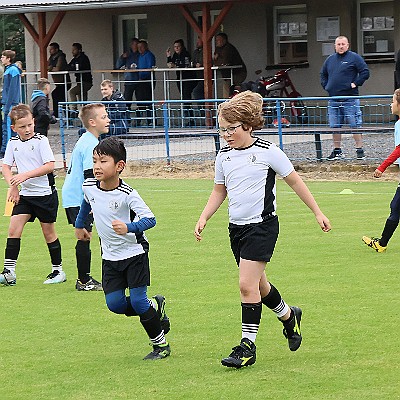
{"x": 189, "y": 18}
{"x": 29, "y": 27}
{"x": 42, "y": 45}
{"x": 218, "y": 21}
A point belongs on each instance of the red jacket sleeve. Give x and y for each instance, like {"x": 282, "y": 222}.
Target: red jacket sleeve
{"x": 391, "y": 159}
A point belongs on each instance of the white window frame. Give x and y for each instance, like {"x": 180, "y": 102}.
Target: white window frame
{"x": 275, "y": 27}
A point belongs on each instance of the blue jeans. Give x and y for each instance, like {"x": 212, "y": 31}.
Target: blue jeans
{"x": 344, "y": 111}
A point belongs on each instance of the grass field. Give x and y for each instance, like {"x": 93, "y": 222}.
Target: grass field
{"x": 61, "y": 344}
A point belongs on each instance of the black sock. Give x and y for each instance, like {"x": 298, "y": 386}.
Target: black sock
{"x": 55, "y": 253}
{"x": 130, "y": 312}
{"x": 83, "y": 259}
{"x": 388, "y": 230}
{"x": 251, "y": 317}
{"x": 151, "y": 323}
{"x": 12, "y": 248}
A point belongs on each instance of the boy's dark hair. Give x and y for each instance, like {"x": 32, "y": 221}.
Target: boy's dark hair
{"x": 55, "y": 45}
{"x": 42, "y": 82}
{"x": 77, "y": 46}
{"x": 9, "y": 54}
{"x": 113, "y": 147}
{"x": 19, "y": 111}
{"x": 180, "y": 41}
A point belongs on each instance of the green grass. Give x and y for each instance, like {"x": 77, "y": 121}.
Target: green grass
{"x": 61, "y": 344}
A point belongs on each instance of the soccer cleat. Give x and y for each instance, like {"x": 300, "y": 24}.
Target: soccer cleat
{"x": 335, "y": 155}
{"x": 374, "y": 244}
{"x": 242, "y": 355}
{"x": 55, "y": 277}
{"x": 7, "y": 278}
{"x": 360, "y": 154}
{"x": 291, "y": 329}
{"x": 90, "y": 285}
{"x": 159, "y": 351}
{"x": 165, "y": 324}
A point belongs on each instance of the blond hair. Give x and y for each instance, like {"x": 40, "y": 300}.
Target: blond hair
{"x": 89, "y": 111}
{"x": 19, "y": 111}
{"x": 107, "y": 82}
{"x": 245, "y": 107}
{"x": 42, "y": 82}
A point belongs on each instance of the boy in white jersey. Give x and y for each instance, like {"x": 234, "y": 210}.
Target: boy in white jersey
{"x": 37, "y": 198}
{"x": 245, "y": 172}
{"x": 121, "y": 217}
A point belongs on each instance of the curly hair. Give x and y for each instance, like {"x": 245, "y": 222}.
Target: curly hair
{"x": 245, "y": 107}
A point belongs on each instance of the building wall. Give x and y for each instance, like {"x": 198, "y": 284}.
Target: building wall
{"x": 248, "y": 25}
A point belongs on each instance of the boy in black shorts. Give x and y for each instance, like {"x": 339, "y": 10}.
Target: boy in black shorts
{"x": 37, "y": 198}
{"x": 121, "y": 217}
{"x": 245, "y": 171}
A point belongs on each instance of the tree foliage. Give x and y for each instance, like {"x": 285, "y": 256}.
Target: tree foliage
{"x": 12, "y": 35}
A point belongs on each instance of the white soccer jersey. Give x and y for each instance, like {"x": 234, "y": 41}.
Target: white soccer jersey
{"x": 249, "y": 177}
{"x": 29, "y": 155}
{"x": 124, "y": 204}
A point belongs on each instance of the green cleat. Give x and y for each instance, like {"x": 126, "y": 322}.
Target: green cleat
{"x": 165, "y": 324}
{"x": 374, "y": 244}
{"x": 242, "y": 355}
{"x": 159, "y": 351}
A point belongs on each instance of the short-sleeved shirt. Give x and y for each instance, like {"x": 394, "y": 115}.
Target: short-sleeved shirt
{"x": 81, "y": 160}
{"x": 122, "y": 203}
{"x": 29, "y": 155}
{"x": 249, "y": 176}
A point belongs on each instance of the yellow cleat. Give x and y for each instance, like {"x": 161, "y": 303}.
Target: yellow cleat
{"x": 374, "y": 244}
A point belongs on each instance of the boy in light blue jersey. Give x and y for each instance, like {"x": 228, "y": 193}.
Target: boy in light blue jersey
{"x": 95, "y": 119}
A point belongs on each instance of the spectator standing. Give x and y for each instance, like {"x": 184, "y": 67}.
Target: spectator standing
{"x": 146, "y": 60}
{"x": 40, "y": 107}
{"x": 1, "y": 114}
{"x": 341, "y": 75}
{"x": 11, "y": 95}
{"x": 198, "y": 91}
{"x": 182, "y": 59}
{"x": 84, "y": 80}
{"x": 227, "y": 54}
{"x": 129, "y": 60}
{"x": 57, "y": 62}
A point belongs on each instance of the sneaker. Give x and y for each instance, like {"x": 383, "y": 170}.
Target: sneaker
{"x": 55, "y": 277}
{"x": 360, "y": 154}
{"x": 242, "y": 355}
{"x": 291, "y": 329}
{"x": 284, "y": 122}
{"x": 165, "y": 324}
{"x": 7, "y": 278}
{"x": 374, "y": 244}
{"x": 335, "y": 155}
{"x": 159, "y": 351}
{"x": 90, "y": 285}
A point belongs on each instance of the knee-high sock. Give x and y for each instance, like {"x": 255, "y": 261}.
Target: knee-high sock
{"x": 83, "y": 259}
{"x": 273, "y": 300}
{"x": 251, "y": 317}
{"x": 55, "y": 254}
{"x": 11, "y": 253}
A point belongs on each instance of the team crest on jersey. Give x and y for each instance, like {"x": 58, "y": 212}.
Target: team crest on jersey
{"x": 251, "y": 159}
{"x": 113, "y": 205}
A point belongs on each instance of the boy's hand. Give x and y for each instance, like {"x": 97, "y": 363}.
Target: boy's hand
{"x": 82, "y": 234}
{"x": 201, "y": 224}
{"x": 323, "y": 222}
{"x": 14, "y": 194}
{"x": 119, "y": 227}
{"x": 18, "y": 179}
{"x": 377, "y": 173}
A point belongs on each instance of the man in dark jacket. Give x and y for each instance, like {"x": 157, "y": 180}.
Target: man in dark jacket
{"x": 84, "y": 80}
{"x": 57, "y": 62}
{"x": 40, "y": 107}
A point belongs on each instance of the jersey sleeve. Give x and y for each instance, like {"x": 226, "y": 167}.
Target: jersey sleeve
{"x": 137, "y": 204}
{"x": 87, "y": 158}
{"x": 9, "y": 156}
{"x": 219, "y": 178}
{"x": 45, "y": 150}
{"x": 280, "y": 162}
{"x": 391, "y": 159}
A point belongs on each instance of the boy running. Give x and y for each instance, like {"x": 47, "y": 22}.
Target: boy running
{"x": 380, "y": 244}
{"x": 37, "y": 198}
{"x": 245, "y": 171}
{"x": 121, "y": 217}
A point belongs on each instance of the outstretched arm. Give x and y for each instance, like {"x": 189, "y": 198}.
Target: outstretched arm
{"x": 216, "y": 198}
{"x": 300, "y": 188}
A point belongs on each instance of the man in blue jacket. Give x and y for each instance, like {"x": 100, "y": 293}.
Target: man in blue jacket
{"x": 11, "y": 93}
{"x": 341, "y": 75}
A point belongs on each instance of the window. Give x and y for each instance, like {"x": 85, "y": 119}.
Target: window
{"x": 376, "y": 28}
{"x": 127, "y": 27}
{"x": 290, "y": 34}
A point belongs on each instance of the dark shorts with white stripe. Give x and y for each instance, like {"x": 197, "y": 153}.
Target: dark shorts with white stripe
{"x": 255, "y": 242}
